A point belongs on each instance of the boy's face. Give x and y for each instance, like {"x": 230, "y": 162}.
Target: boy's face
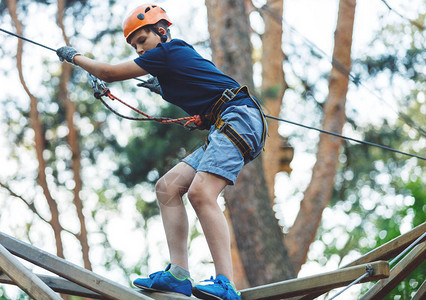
{"x": 143, "y": 41}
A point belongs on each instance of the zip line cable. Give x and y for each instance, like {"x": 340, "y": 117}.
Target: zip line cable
{"x": 28, "y": 40}
{"x": 41, "y": 45}
{"x": 353, "y": 77}
{"x": 415, "y": 23}
{"x": 345, "y": 137}
{"x": 267, "y": 116}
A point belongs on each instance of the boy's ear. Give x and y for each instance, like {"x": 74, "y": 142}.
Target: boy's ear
{"x": 162, "y": 30}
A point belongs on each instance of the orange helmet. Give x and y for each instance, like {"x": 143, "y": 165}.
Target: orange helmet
{"x": 148, "y": 14}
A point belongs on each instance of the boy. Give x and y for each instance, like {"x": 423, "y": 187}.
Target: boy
{"x": 237, "y": 133}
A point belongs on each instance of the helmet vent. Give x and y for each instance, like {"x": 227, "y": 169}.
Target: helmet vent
{"x": 147, "y": 9}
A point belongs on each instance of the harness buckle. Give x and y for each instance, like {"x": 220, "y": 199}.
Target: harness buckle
{"x": 221, "y": 125}
{"x": 228, "y": 94}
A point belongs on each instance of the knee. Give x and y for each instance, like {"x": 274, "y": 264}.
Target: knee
{"x": 168, "y": 191}
{"x": 197, "y": 196}
{"x": 161, "y": 186}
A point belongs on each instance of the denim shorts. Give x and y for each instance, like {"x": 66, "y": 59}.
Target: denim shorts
{"x": 222, "y": 157}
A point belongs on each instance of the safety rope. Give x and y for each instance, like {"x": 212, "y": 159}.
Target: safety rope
{"x": 100, "y": 90}
{"x": 355, "y": 78}
{"x": 196, "y": 120}
{"x": 370, "y": 271}
{"x": 346, "y": 137}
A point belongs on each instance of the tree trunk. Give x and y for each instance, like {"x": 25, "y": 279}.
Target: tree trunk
{"x": 73, "y": 142}
{"x": 258, "y": 236}
{"x": 273, "y": 88}
{"x": 318, "y": 193}
{"x": 39, "y": 138}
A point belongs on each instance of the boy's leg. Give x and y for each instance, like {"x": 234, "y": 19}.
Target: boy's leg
{"x": 170, "y": 188}
{"x": 202, "y": 194}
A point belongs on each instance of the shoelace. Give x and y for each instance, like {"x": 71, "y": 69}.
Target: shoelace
{"x": 153, "y": 275}
{"x": 218, "y": 281}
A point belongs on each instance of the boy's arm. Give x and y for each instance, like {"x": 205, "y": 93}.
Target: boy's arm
{"x": 103, "y": 71}
{"x": 107, "y": 72}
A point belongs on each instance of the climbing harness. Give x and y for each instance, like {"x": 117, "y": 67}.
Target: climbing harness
{"x": 214, "y": 118}
{"x": 100, "y": 90}
{"x": 198, "y": 120}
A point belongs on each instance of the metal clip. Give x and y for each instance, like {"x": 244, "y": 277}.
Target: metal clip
{"x": 222, "y": 127}
{"x": 369, "y": 269}
{"x": 228, "y": 94}
{"x": 97, "y": 84}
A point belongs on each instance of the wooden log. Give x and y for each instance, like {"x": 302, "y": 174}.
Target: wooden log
{"x": 397, "y": 274}
{"x": 67, "y": 287}
{"x": 386, "y": 251}
{"x": 392, "y": 248}
{"x": 421, "y": 292}
{"x": 25, "y": 279}
{"x": 316, "y": 283}
{"x": 60, "y": 285}
{"x": 72, "y": 272}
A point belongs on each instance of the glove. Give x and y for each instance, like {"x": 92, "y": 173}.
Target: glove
{"x": 67, "y": 53}
{"x": 152, "y": 84}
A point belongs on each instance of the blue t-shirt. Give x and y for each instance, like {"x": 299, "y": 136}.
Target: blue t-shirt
{"x": 187, "y": 79}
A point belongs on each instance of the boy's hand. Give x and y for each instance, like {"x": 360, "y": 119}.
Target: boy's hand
{"x": 67, "y": 53}
{"x": 152, "y": 84}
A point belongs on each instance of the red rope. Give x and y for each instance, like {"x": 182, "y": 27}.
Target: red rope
{"x": 196, "y": 119}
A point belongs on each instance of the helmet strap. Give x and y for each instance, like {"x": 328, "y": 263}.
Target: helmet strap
{"x": 163, "y": 37}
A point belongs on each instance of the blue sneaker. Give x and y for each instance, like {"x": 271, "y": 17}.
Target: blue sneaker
{"x": 221, "y": 288}
{"x": 165, "y": 282}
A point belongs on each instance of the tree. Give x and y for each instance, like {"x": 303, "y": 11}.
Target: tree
{"x": 52, "y": 138}
{"x": 257, "y": 233}
{"x": 273, "y": 87}
{"x": 380, "y": 191}
{"x": 318, "y": 193}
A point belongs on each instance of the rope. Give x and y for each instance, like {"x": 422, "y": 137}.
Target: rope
{"x": 28, "y": 40}
{"x": 370, "y": 271}
{"x": 185, "y": 121}
{"x": 196, "y": 119}
{"x": 347, "y": 138}
{"x": 355, "y": 78}
{"x": 407, "y": 249}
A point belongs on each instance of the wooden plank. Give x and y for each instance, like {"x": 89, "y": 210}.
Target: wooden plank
{"x": 164, "y": 296}
{"x": 385, "y": 252}
{"x": 325, "y": 281}
{"x": 421, "y": 292}
{"x": 26, "y": 280}
{"x": 60, "y": 285}
{"x": 67, "y": 287}
{"x": 72, "y": 272}
{"x": 397, "y": 274}
{"x": 392, "y": 248}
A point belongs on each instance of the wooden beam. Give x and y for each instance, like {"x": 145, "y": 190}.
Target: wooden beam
{"x": 60, "y": 285}
{"x": 392, "y": 248}
{"x": 25, "y": 279}
{"x": 72, "y": 272}
{"x": 385, "y": 252}
{"x": 67, "y": 287}
{"x": 316, "y": 283}
{"x": 408, "y": 264}
{"x": 421, "y": 292}
{"x": 168, "y": 296}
